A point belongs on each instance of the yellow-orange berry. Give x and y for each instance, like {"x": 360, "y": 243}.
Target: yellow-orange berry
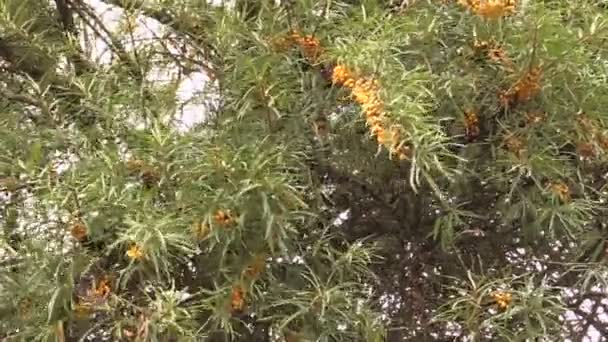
{"x": 471, "y": 125}
{"x": 561, "y": 190}
{"x": 237, "y": 298}
{"x": 256, "y": 266}
{"x": 377, "y": 129}
{"x": 340, "y": 74}
{"x": 502, "y": 299}
{"x": 103, "y": 288}
{"x": 223, "y": 217}
{"x": 135, "y": 252}
{"x": 490, "y": 9}
{"x": 514, "y": 145}
{"x": 585, "y": 150}
{"x": 384, "y": 137}
{"x": 529, "y": 86}
{"x": 602, "y": 140}
{"x": 78, "y": 230}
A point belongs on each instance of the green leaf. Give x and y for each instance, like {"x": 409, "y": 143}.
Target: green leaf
{"x": 35, "y": 155}
{"x": 56, "y": 305}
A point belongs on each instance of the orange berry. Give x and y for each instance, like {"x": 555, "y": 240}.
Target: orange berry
{"x": 237, "y": 298}
{"x": 373, "y": 120}
{"x": 340, "y": 74}
{"x": 502, "y": 299}
{"x": 514, "y": 145}
{"x": 135, "y": 252}
{"x": 223, "y": 217}
{"x": 361, "y": 98}
{"x": 586, "y": 150}
{"x": 603, "y": 141}
{"x": 384, "y": 138}
{"x": 471, "y": 124}
{"x": 78, "y": 230}
{"x": 256, "y": 266}
{"x": 102, "y": 289}
{"x": 491, "y": 9}
{"x": 561, "y": 190}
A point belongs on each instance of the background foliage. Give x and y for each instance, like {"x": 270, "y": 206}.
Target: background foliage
{"x": 365, "y": 171}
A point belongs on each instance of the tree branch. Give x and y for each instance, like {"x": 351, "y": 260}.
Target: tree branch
{"x": 17, "y": 63}
{"x": 93, "y": 21}
{"x": 28, "y": 100}
{"x": 165, "y": 18}
{"x": 65, "y": 15}
{"x": 66, "y": 18}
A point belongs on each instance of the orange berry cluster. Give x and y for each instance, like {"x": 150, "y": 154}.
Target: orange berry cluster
{"x": 561, "y": 190}
{"x": 95, "y": 294}
{"x": 585, "y": 150}
{"x": 602, "y": 140}
{"x": 514, "y": 145}
{"x": 490, "y": 9}
{"x": 149, "y": 175}
{"x": 102, "y": 289}
{"x": 223, "y": 217}
{"x": 201, "y": 229}
{"x": 365, "y": 92}
{"x": 135, "y": 252}
{"x": 590, "y": 129}
{"x": 524, "y": 89}
{"x": 78, "y": 230}
{"x": 256, "y": 266}
{"x": 237, "y": 298}
{"x": 535, "y": 117}
{"x": 502, "y": 299}
{"x": 310, "y": 45}
{"x": 471, "y": 123}
{"x": 493, "y": 51}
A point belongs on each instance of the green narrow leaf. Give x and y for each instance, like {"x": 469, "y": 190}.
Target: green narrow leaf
{"x": 55, "y": 306}
{"x": 35, "y": 155}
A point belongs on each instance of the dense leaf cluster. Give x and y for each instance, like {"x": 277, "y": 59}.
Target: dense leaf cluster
{"x": 365, "y": 171}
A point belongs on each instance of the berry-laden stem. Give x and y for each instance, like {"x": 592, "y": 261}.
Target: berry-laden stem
{"x": 366, "y": 93}
{"x": 364, "y": 90}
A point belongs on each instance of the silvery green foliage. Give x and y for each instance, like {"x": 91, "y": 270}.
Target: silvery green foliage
{"x": 179, "y": 170}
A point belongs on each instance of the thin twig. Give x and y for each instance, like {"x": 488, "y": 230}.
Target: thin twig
{"x": 99, "y": 28}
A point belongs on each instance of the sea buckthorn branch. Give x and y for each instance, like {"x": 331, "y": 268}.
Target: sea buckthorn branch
{"x": 526, "y": 88}
{"x": 592, "y": 134}
{"x": 309, "y": 45}
{"x": 502, "y": 299}
{"x": 365, "y": 91}
{"x": 494, "y": 52}
{"x": 401, "y": 142}
{"x": 471, "y": 121}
